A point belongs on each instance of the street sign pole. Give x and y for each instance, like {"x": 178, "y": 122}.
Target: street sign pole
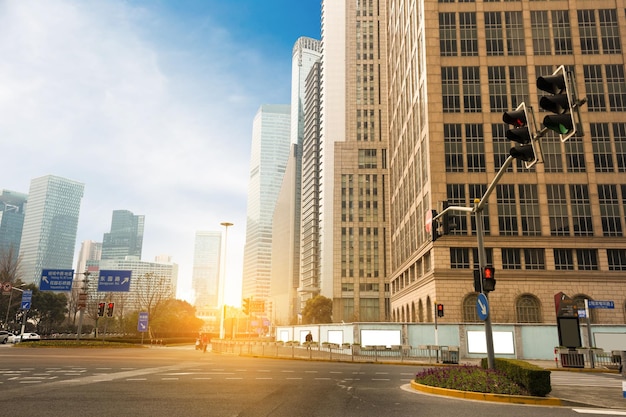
{"x": 482, "y": 261}
{"x": 589, "y": 337}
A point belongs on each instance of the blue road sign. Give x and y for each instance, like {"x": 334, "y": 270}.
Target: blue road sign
{"x": 114, "y": 281}
{"x": 27, "y": 298}
{"x": 25, "y": 305}
{"x": 601, "y": 304}
{"x": 56, "y": 280}
{"x": 482, "y": 306}
{"x": 142, "y": 324}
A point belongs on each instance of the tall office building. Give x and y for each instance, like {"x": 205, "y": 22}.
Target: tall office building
{"x": 454, "y": 68}
{"x": 12, "y": 205}
{"x": 354, "y": 183}
{"x": 269, "y": 154}
{"x": 50, "y": 226}
{"x": 285, "y": 277}
{"x": 89, "y": 251}
{"x": 205, "y": 279}
{"x": 126, "y": 236}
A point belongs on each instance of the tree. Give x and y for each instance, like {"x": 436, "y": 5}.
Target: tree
{"x": 47, "y": 310}
{"x": 173, "y": 316}
{"x": 318, "y": 309}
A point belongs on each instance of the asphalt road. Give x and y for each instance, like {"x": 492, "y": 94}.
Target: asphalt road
{"x": 183, "y": 382}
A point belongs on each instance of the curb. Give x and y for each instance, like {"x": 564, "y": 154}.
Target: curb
{"x": 481, "y": 396}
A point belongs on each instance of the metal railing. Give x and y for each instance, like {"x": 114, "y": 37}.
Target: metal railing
{"x": 336, "y": 352}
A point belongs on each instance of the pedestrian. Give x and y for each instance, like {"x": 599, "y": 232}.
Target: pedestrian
{"x": 205, "y": 342}
{"x": 309, "y": 340}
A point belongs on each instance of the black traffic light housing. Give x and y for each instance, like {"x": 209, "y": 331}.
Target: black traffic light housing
{"x": 448, "y": 222}
{"x": 489, "y": 278}
{"x": 101, "y": 307}
{"x": 110, "y": 308}
{"x": 523, "y": 134}
{"x": 439, "y": 310}
{"x": 434, "y": 226}
{"x": 246, "y": 306}
{"x": 561, "y": 102}
{"x": 478, "y": 286}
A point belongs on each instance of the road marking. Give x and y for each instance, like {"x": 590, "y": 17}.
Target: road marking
{"x": 294, "y": 378}
{"x": 323, "y": 379}
{"x": 381, "y": 379}
{"x": 606, "y": 412}
{"x": 262, "y": 378}
{"x": 137, "y": 379}
{"x": 30, "y": 382}
{"x": 170, "y": 379}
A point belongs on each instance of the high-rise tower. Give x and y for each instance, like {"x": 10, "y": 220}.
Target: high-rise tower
{"x": 206, "y": 269}
{"x": 50, "y": 226}
{"x": 269, "y": 155}
{"x": 12, "y": 205}
{"x": 126, "y": 236}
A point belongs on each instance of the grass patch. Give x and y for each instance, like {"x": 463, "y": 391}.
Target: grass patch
{"x": 470, "y": 378}
{"x": 76, "y": 344}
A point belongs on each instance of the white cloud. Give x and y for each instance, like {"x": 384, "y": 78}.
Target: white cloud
{"x": 151, "y": 119}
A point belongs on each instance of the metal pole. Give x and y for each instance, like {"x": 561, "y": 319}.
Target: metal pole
{"x": 589, "y": 336}
{"x": 81, "y": 311}
{"x": 482, "y": 261}
{"x": 222, "y": 281}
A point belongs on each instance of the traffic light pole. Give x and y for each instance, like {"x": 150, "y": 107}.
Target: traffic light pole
{"x": 479, "y": 206}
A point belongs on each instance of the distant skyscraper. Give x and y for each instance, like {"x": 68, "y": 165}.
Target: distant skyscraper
{"x": 89, "y": 251}
{"x": 126, "y": 236}
{"x": 50, "y": 225}
{"x": 269, "y": 154}
{"x": 12, "y": 205}
{"x": 206, "y": 269}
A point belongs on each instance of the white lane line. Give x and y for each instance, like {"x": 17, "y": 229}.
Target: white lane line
{"x": 597, "y": 411}
{"x": 136, "y": 379}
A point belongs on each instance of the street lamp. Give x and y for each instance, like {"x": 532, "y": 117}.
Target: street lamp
{"x": 82, "y": 296}
{"x": 222, "y": 286}
{"x": 6, "y": 319}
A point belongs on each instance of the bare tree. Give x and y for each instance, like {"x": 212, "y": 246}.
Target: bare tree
{"x": 9, "y": 265}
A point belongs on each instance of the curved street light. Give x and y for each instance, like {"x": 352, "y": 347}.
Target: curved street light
{"x": 222, "y": 286}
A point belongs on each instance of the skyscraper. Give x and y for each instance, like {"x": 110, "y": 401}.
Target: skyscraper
{"x": 354, "y": 180}
{"x": 205, "y": 278}
{"x": 126, "y": 236}
{"x": 454, "y": 68}
{"x": 12, "y": 205}
{"x": 268, "y": 161}
{"x": 50, "y": 225}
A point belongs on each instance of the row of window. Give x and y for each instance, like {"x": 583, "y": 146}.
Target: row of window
{"x": 551, "y": 32}
{"x": 464, "y": 146}
{"x": 605, "y": 87}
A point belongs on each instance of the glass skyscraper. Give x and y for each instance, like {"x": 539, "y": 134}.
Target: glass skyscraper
{"x": 12, "y": 205}
{"x": 126, "y": 236}
{"x": 205, "y": 279}
{"x": 50, "y": 225}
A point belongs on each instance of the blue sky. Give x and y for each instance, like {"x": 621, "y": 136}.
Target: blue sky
{"x": 150, "y": 104}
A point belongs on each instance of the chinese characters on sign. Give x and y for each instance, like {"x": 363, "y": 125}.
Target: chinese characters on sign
{"x": 110, "y": 281}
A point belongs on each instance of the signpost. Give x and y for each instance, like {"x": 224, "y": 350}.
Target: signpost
{"x": 114, "y": 281}
{"x": 56, "y": 280}
{"x": 142, "y": 324}
{"x": 482, "y": 306}
{"x": 601, "y": 304}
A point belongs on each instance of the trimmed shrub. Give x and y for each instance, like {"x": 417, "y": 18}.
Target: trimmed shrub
{"x": 534, "y": 378}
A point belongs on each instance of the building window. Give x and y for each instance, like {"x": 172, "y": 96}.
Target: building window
{"x": 528, "y": 309}
{"x": 459, "y": 258}
{"x": 475, "y": 257}
{"x": 477, "y": 191}
{"x": 519, "y": 85}
{"x": 609, "y": 31}
{"x": 471, "y": 90}
{"x": 563, "y": 260}
{"x": 515, "y": 33}
{"x": 456, "y": 197}
{"x": 616, "y": 87}
{"x": 447, "y": 34}
{"x": 619, "y": 137}
{"x": 609, "y": 210}
{"x": 498, "y": 95}
{"x": 501, "y": 145}
{"x": 562, "y": 32}
{"x": 453, "y": 144}
{"x": 348, "y": 309}
{"x": 534, "y": 258}
{"x": 588, "y": 32}
{"x": 511, "y": 258}
{"x": 507, "y": 211}
{"x": 450, "y": 89}
{"x": 493, "y": 33}
{"x": 601, "y": 143}
{"x": 469, "y": 34}
{"x": 575, "y": 155}
{"x": 557, "y": 210}
{"x": 470, "y": 315}
{"x": 529, "y": 210}
{"x": 541, "y": 32}
{"x": 617, "y": 259}
{"x": 552, "y": 151}
{"x": 367, "y": 158}
{"x": 475, "y": 145}
{"x": 594, "y": 88}
{"x": 581, "y": 210}
{"x": 587, "y": 259}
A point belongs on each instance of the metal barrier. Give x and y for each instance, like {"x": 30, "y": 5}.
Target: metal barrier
{"x": 333, "y": 351}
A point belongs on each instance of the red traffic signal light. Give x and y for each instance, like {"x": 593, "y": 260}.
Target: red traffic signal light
{"x": 101, "y": 307}
{"x": 439, "y": 310}
{"x": 110, "y": 308}
{"x": 523, "y": 133}
{"x": 489, "y": 280}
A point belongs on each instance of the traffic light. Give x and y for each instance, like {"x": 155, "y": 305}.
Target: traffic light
{"x": 478, "y": 287}
{"x": 439, "y": 310}
{"x": 434, "y": 226}
{"x": 101, "y": 309}
{"x": 110, "y": 308}
{"x": 447, "y": 222}
{"x": 489, "y": 278}
{"x": 246, "y": 306}
{"x": 561, "y": 102}
{"x": 523, "y": 133}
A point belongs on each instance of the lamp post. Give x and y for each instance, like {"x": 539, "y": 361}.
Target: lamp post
{"x": 222, "y": 285}
{"x": 82, "y": 296}
{"x": 6, "y": 320}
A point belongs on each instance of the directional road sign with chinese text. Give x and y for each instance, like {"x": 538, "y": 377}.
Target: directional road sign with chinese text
{"x": 56, "y": 280}
{"x": 114, "y": 281}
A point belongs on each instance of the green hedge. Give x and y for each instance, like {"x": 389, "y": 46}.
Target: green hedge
{"x": 534, "y": 378}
